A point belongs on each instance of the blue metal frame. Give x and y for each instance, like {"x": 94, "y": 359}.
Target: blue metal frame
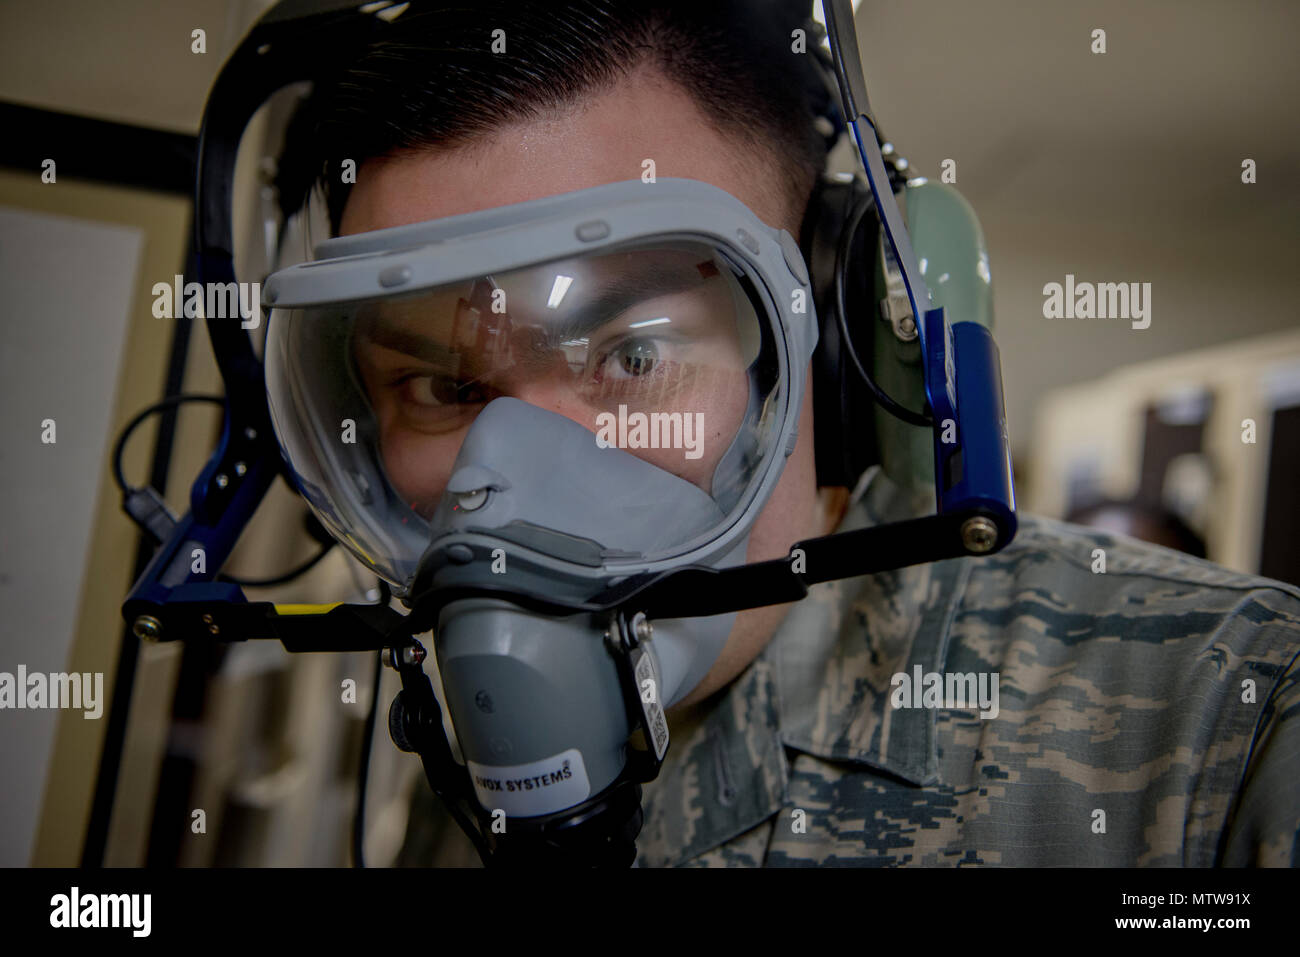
{"x": 963, "y": 378}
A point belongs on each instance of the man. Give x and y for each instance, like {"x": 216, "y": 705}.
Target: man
{"x": 1144, "y": 716}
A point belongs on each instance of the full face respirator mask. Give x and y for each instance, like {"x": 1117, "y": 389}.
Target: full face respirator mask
{"x": 470, "y": 422}
{"x": 549, "y": 427}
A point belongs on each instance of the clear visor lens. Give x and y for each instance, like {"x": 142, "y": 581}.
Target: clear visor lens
{"x": 658, "y": 352}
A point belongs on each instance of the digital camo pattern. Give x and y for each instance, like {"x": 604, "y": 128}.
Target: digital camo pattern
{"x": 1119, "y": 693}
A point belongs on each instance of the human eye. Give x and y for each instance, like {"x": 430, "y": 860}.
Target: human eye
{"x": 433, "y": 390}
{"x": 431, "y": 402}
{"x": 423, "y": 391}
{"x": 631, "y": 359}
{"x": 630, "y": 364}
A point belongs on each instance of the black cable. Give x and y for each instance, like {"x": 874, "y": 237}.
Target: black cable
{"x": 288, "y": 576}
{"x": 170, "y": 402}
{"x": 146, "y": 507}
{"x": 841, "y": 312}
{"x": 363, "y": 774}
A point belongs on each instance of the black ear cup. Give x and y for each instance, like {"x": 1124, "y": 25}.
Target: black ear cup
{"x": 843, "y": 408}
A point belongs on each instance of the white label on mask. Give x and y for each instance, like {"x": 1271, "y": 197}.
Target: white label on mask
{"x": 647, "y": 680}
{"x": 538, "y": 787}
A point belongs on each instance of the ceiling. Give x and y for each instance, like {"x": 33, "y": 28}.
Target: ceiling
{"x": 1042, "y": 126}
{"x": 1039, "y": 125}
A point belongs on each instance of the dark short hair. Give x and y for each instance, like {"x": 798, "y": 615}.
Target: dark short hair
{"x": 432, "y": 82}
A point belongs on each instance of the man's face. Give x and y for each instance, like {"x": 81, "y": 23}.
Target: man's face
{"x": 603, "y": 140}
{"x": 665, "y": 330}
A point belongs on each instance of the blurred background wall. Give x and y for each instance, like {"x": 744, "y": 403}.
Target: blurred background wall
{"x": 1123, "y": 166}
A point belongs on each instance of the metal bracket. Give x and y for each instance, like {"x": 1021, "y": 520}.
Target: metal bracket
{"x": 628, "y": 639}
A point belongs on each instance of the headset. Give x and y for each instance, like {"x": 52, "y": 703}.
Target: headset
{"x": 859, "y": 256}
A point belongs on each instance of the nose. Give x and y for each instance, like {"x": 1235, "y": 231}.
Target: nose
{"x": 554, "y": 395}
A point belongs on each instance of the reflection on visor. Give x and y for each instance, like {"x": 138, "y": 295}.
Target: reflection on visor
{"x": 659, "y": 351}
{"x": 644, "y": 350}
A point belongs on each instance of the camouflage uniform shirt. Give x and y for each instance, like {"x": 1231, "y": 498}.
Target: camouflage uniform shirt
{"x": 1147, "y": 715}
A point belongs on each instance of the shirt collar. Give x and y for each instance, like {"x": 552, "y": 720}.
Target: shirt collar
{"x": 821, "y": 686}
{"x": 837, "y": 650}
{"x": 723, "y": 775}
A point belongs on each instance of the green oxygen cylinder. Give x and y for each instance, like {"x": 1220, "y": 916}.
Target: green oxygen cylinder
{"x": 950, "y": 251}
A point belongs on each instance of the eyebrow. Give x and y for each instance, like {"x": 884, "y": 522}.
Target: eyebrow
{"x": 613, "y": 298}
{"x": 377, "y": 330}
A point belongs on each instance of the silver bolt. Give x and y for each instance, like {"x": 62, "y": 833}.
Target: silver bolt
{"x": 407, "y": 655}
{"x": 147, "y": 628}
{"x": 207, "y": 619}
{"x": 897, "y": 311}
{"x": 221, "y": 480}
{"x": 240, "y": 468}
{"x": 978, "y": 534}
{"x": 250, "y": 433}
{"x": 641, "y": 627}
